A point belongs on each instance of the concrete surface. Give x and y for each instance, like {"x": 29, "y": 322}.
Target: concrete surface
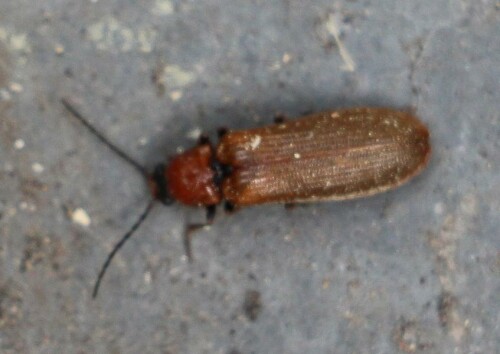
{"x": 413, "y": 270}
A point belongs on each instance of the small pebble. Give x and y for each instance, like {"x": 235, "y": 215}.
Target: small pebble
{"x": 286, "y": 58}
{"x": 175, "y": 95}
{"x": 59, "y": 49}
{"x": 80, "y": 217}
{"x": 37, "y": 167}
{"x": 19, "y": 144}
{"x": 16, "y": 87}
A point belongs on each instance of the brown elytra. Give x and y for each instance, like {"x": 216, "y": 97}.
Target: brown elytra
{"x": 333, "y": 155}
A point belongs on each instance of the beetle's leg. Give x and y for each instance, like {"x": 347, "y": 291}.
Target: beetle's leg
{"x": 211, "y": 211}
{"x": 221, "y": 132}
{"x": 191, "y": 228}
{"x": 279, "y": 118}
{"x": 203, "y": 139}
{"x": 229, "y": 207}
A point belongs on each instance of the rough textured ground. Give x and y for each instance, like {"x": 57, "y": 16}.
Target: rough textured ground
{"x": 413, "y": 270}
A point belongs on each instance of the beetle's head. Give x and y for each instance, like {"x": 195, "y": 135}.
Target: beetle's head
{"x": 158, "y": 184}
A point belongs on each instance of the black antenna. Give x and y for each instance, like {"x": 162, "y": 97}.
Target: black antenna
{"x": 120, "y": 245}
{"x": 74, "y": 112}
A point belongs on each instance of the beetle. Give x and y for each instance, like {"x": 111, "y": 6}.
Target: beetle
{"x": 334, "y": 155}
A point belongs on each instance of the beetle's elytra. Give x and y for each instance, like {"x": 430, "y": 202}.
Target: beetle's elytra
{"x": 333, "y": 155}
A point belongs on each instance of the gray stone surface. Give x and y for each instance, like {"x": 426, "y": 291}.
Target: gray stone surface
{"x": 413, "y": 270}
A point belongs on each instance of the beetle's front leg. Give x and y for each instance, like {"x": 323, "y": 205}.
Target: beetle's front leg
{"x": 191, "y": 228}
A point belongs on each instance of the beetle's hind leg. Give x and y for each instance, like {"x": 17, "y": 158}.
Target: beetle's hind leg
{"x": 192, "y": 228}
